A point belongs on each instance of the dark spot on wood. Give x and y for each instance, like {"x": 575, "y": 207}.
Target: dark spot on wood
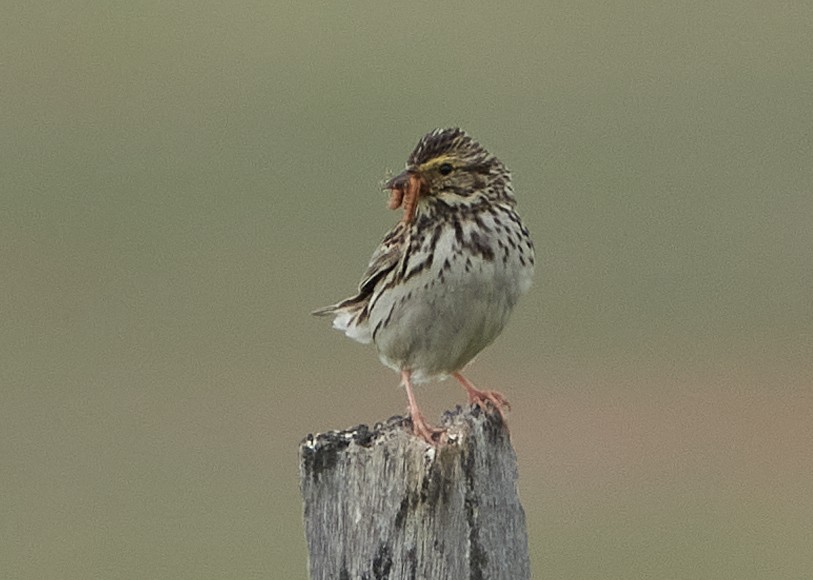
{"x": 382, "y": 564}
{"x": 403, "y": 509}
{"x": 326, "y": 456}
{"x": 423, "y": 494}
{"x": 494, "y": 428}
{"x": 436, "y": 485}
{"x": 477, "y": 556}
{"x": 412, "y": 562}
{"x": 364, "y": 436}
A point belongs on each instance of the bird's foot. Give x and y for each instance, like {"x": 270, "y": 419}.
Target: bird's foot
{"x": 484, "y": 398}
{"x": 432, "y": 435}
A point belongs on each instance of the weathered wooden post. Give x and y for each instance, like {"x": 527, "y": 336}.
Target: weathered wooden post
{"x": 382, "y": 504}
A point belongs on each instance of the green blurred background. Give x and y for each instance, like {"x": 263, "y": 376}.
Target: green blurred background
{"x": 183, "y": 182}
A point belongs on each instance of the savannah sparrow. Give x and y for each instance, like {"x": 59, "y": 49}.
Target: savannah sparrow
{"x": 444, "y": 280}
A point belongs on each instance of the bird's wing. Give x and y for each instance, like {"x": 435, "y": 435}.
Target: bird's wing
{"x": 384, "y": 259}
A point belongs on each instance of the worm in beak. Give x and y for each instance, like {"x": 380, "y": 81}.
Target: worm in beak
{"x": 404, "y": 191}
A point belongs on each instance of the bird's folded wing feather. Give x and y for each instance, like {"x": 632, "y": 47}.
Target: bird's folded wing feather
{"x": 384, "y": 259}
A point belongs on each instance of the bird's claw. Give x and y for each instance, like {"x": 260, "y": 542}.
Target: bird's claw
{"x": 432, "y": 435}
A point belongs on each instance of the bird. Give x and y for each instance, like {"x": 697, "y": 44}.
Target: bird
{"x": 441, "y": 285}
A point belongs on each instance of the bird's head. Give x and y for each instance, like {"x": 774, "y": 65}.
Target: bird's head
{"x": 449, "y": 168}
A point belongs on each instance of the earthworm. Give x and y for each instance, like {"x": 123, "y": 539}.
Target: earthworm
{"x": 406, "y": 195}
{"x": 410, "y": 200}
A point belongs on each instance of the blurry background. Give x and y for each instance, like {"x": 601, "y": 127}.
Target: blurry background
{"x": 182, "y": 183}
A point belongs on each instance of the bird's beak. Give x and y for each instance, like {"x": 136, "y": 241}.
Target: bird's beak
{"x": 399, "y": 181}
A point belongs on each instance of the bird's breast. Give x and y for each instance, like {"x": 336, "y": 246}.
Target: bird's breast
{"x": 451, "y": 293}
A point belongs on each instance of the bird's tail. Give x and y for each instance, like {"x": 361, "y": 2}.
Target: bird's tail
{"x": 350, "y": 318}
{"x": 325, "y": 310}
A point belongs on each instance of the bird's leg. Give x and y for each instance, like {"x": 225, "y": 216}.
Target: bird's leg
{"x": 419, "y": 425}
{"x": 480, "y": 398}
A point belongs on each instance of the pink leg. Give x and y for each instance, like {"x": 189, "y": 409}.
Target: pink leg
{"x": 419, "y": 424}
{"x": 481, "y": 398}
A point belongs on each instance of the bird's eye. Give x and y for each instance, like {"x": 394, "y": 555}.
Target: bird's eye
{"x": 445, "y": 169}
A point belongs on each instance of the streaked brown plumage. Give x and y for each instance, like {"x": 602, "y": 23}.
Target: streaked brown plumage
{"x": 442, "y": 283}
